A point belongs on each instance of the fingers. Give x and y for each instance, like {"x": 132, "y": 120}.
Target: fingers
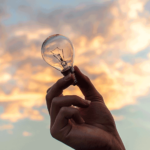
{"x": 61, "y": 121}
{"x": 86, "y": 86}
{"x": 64, "y": 101}
{"x": 58, "y": 87}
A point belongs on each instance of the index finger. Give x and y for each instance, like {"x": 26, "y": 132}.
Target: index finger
{"x": 58, "y": 88}
{"x": 86, "y": 86}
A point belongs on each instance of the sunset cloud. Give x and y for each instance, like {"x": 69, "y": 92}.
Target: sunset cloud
{"x": 25, "y": 133}
{"x": 118, "y": 118}
{"x": 103, "y": 34}
{"x": 6, "y": 127}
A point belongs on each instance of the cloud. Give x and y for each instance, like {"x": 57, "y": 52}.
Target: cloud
{"x": 34, "y": 35}
{"x": 5, "y": 77}
{"x": 118, "y": 118}
{"x": 25, "y": 133}
{"x": 45, "y": 111}
{"x": 19, "y": 106}
{"x": 3, "y": 11}
{"x": 6, "y": 127}
{"x": 148, "y": 55}
{"x": 101, "y": 33}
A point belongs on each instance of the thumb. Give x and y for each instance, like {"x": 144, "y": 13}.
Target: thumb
{"x": 86, "y": 86}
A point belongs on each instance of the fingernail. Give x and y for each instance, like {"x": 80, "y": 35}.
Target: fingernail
{"x": 68, "y": 77}
{"x": 87, "y": 102}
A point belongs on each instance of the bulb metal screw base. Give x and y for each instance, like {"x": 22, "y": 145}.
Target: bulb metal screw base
{"x": 70, "y": 70}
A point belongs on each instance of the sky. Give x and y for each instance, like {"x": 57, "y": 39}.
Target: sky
{"x": 111, "y": 39}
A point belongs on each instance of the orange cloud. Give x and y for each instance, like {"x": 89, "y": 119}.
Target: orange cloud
{"x": 133, "y": 7}
{"x": 25, "y": 133}
{"x": 6, "y": 127}
{"x": 4, "y": 77}
{"x": 100, "y": 43}
{"x": 118, "y": 118}
{"x": 45, "y": 111}
{"x": 31, "y": 34}
{"x": 17, "y": 101}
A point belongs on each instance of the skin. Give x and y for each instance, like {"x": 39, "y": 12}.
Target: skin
{"x": 90, "y": 125}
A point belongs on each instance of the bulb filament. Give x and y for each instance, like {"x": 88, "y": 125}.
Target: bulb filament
{"x": 59, "y": 57}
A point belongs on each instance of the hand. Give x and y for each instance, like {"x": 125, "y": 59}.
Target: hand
{"x": 90, "y": 126}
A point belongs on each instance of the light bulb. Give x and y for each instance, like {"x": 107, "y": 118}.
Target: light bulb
{"x": 57, "y": 50}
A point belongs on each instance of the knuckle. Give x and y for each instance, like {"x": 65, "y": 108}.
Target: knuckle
{"x": 48, "y": 89}
{"x": 75, "y": 97}
{"x": 87, "y": 78}
{"x": 57, "y": 135}
{"x": 52, "y": 133}
{"x": 47, "y": 97}
{"x": 63, "y": 110}
{"x": 54, "y": 101}
{"x": 101, "y": 97}
{"x": 75, "y": 111}
{"x": 58, "y": 82}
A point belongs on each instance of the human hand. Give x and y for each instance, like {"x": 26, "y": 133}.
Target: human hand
{"x": 90, "y": 126}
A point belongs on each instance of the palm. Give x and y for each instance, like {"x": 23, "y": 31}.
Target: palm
{"x": 97, "y": 115}
{"x": 98, "y": 121}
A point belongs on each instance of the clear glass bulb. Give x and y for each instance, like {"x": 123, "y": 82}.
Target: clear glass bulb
{"x": 58, "y": 52}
